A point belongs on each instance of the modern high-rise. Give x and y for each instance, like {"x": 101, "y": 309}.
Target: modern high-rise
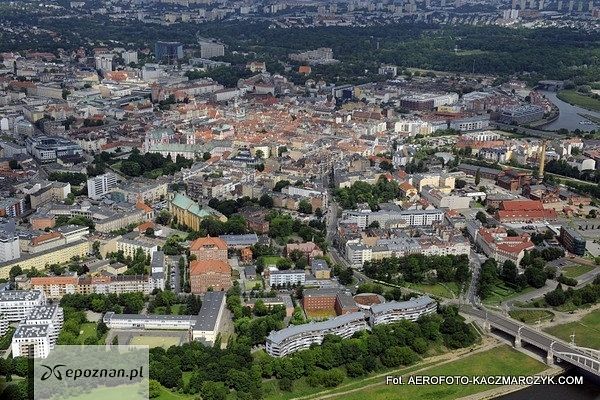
{"x": 168, "y": 51}
{"x": 16, "y": 305}
{"x": 101, "y": 185}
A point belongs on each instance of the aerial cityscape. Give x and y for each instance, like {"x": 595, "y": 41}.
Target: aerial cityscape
{"x": 310, "y": 199}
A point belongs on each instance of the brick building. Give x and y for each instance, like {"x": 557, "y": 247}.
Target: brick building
{"x": 205, "y": 274}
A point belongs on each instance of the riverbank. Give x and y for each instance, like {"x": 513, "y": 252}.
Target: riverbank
{"x": 580, "y": 100}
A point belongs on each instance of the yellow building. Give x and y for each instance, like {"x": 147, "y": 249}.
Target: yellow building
{"x": 41, "y": 260}
{"x": 190, "y": 213}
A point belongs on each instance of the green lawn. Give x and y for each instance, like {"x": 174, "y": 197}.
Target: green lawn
{"x": 439, "y": 290}
{"x": 250, "y": 284}
{"x": 117, "y": 392}
{"x": 579, "y": 99}
{"x": 531, "y": 316}
{"x": 502, "y": 360}
{"x": 176, "y": 309}
{"x": 166, "y": 394}
{"x": 586, "y": 330}
{"x": 502, "y": 292}
{"x": 88, "y": 329}
{"x": 156, "y": 341}
{"x": 574, "y": 271}
{"x": 271, "y": 260}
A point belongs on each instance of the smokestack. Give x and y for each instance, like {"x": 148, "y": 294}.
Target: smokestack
{"x": 542, "y": 157}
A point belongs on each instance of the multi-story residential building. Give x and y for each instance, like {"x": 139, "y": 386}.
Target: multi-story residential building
{"x": 207, "y": 274}
{"x": 3, "y": 325}
{"x": 101, "y": 185}
{"x": 31, "y": 341}
{"x": 442, "y": 200}
{"x": 168, "y": 51}
{"x": 209, "y": 248}
{"x": 309, "y": 249}
{"x": 393, "y": 218}
{"x": 55, "y": 287}
{"x": 130, "y": 243}
{"x": 145, "y": 191}
{"x": 16, "y": 305}
{"x": 51, "y": 315}
{"x": 320, "y": 269}
{"x": 298, "y": 337}
{"x": 283, "y": 278}
{"x": 57, "y": 255}
{"x": 393, "y": 311}
{"x": 210, "y": 49}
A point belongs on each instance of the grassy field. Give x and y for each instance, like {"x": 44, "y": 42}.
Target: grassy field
{"x": 166, "y": 394}
{"x": 156, "y": 341}
{"x": 117, "y": 392}
{"x": 502, "y": 360}
{"x": 586, "y": 330}
{"x": 320, "y": 314}
{"x": 502, "y": 292}
{"x": 531, "y": 316}
{"x": 574, "y": 271}
{"x": 250, "y": 284}
{"x": 176, "y": 309}
{"x": 578, "y": 99}
{"x": 271, "y": 260}
{"x": 446, "y": 290}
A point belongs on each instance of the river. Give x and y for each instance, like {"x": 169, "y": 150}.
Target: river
{"x": 568, "y": 117}
{"x": 590, "y": 390}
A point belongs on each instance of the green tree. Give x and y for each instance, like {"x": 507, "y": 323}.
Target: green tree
{"x": 304, "y": 207}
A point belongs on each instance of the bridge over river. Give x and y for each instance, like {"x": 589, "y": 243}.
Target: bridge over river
{"x": 586, "y": 359}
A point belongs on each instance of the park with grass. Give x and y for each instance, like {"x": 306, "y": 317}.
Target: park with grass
{"x": 579, "y": 99}
{"x": 448, "y": 290}
{"x": 496, "y": 361}
{"x": 531, "y": 316}
{"x": 501, "y": 292}
{"x": 574, "y": 271}
{"x": 586, "y": 330}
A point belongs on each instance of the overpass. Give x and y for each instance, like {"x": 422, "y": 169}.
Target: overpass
{"x": 586, "y": 359}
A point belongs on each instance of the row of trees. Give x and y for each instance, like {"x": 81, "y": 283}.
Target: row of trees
{"x": 418, "y": 268}
{"x": 589, "y": 294}
{"x": 128, "y": 303}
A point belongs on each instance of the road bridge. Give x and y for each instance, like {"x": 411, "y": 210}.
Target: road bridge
{"x": 556, "y": 349}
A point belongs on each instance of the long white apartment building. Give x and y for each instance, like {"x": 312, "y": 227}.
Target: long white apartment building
{"x": 138, "y": 321}
{"x": 394, "y": 311}
{"x": 291, "y": 276}
{"x": 101, "y": 185}
{"x": 3, "y": 325}
{"x": 297, "y": 337}
{"x": 393, "y": 218}
{"x": 16, "y": 305}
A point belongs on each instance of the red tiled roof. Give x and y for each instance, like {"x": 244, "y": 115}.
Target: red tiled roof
{"x": 199, "y": 267}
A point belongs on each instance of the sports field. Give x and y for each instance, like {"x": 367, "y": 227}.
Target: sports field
{"x": 156, "y": 341}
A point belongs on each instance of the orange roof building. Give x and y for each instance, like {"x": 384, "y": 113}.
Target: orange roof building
{"x": 206, "y": 274}
{"x": 209, "y": 248}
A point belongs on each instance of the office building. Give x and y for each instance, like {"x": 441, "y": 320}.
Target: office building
{"x": 138, "y": 321}
{"x": 168, "y": 51}
{"x": 101, "y": 185}
{"x": 572, "y": 240}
